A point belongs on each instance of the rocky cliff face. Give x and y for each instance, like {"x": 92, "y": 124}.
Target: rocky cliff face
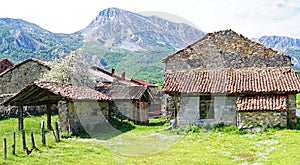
{"x": 287, "y": 45}
{"x": 21, "y": 40}
{"x": 131, "y": 31}
{"x": 280, "y": 43}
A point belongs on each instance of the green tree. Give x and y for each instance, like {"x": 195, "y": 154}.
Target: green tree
{"x": 71, "y": 70}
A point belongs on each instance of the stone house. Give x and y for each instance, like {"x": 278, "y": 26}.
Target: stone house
{"x": 78, "y": 106}
{"x": 19, "y": 76}
{"x": 226, "y": 78}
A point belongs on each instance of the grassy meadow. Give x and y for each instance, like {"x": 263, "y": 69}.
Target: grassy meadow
{"x": 153, "y": 145}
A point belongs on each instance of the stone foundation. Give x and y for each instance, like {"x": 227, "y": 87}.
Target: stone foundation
{"x": 263, "y": 118}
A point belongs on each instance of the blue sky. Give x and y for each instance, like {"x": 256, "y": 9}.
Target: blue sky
{"x": 252, "y": 18}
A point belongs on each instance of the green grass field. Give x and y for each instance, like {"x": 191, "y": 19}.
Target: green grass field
{"x": 153, "y": 145}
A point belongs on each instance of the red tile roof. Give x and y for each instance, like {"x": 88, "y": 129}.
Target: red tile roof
{"x": 43, "y": 92}
{"x": 144, "y": 83}
{"x": 5, "y": 64}
{"x": 73, "y": 92}
{"x": 263, "y": 103}
{"x": 232, "y": 81}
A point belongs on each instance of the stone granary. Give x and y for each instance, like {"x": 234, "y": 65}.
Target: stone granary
{"x": 132, "y": 99}
{"x": 77, "y": 105}
{"x": 227, "y": 78}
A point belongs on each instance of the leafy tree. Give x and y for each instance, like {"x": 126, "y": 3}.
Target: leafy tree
{"x": 71, "y": 70}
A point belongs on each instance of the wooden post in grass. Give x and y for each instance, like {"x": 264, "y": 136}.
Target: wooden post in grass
{"x": 14, "y": 145}
{"x": 20, "y": 118}
{"x": 49, "y": 117}
{"x": 57, "y": 132}
{"x": 32, "y": 140}
{"x": 4, "y": 148}
{"x": 54, "y": 135}
{"x": 43, "y": 133}
{"x": 23, "y": 139}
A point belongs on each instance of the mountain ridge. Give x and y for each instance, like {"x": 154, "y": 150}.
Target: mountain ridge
{"x": 118, "y": 39}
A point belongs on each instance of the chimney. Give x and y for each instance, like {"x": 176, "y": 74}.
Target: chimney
{"x": 123, "y": 75}
{"x": 112, "y": 72}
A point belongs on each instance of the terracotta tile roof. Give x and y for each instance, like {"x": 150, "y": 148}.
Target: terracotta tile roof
{"x": 144, "y": 83}
{"x": 118, "y": 92}
{"x": 263, "y": 103}
{"x": 73, "y": 92}
{"x": 42, "y": 92}
{"x": 233, "y": 81}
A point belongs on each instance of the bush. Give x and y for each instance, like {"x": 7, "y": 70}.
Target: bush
{"x": 191, "y": 128}
{"x": 221, "y": 127}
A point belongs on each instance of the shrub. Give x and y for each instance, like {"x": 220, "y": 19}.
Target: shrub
{"x": 191, "y": 128}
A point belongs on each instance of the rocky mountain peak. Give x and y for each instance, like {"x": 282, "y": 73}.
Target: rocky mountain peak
{"x": 111, "y": 13}
{"x": 132, "y": 31}
{"x": 108, "y": 15}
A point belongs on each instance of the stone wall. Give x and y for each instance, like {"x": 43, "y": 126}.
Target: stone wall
{"x": 291, "y": 119}
{"x": 224, "y": 111}
{"x": 76, "y": 116}
{"x": 263, "y": 118}
{"x": 131, "y": 110}
{"x": 226, "y": 49}
{"x": 168, "y": 107}
{"x": 224, "y": 60}
{"x": 15, "y": 79}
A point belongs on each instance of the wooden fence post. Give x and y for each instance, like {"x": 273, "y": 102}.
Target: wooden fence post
{"x": 4, "y": 148}
{"x": 14, "y": 145}
{"x": 57, "y": 132}
{"x": 23, "y": 139}
{"x": 32, "y": 140}
{"x": 49, "y": 117}
{"x": 43, "y": 134}
{"x": 21, "y": 118}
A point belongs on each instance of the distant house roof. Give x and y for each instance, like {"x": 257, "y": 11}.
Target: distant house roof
{"x": 262, "y": 103}
{"x": 119, "y": 92}
{"x": 51, "y": 92}
{"x": 108, "y": 76}
{"x": 144, "y": 83}
{"x": 47, "y": 64}
{"x": 233, "y": 81}
{"x": 5, "y": 64}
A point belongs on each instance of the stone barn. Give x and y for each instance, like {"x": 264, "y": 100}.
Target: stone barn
{"x": 129, "y": 102}
{"x": 20, "y": 75}
{"x": 17, "y": 77}
{"x": 78, "y": 106}
{"x": 227, "y": 78}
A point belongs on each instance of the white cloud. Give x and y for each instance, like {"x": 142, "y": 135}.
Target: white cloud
{"x": 251, "y": 18}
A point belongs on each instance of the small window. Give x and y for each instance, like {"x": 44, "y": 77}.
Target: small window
{"x": 206, "y": 108}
